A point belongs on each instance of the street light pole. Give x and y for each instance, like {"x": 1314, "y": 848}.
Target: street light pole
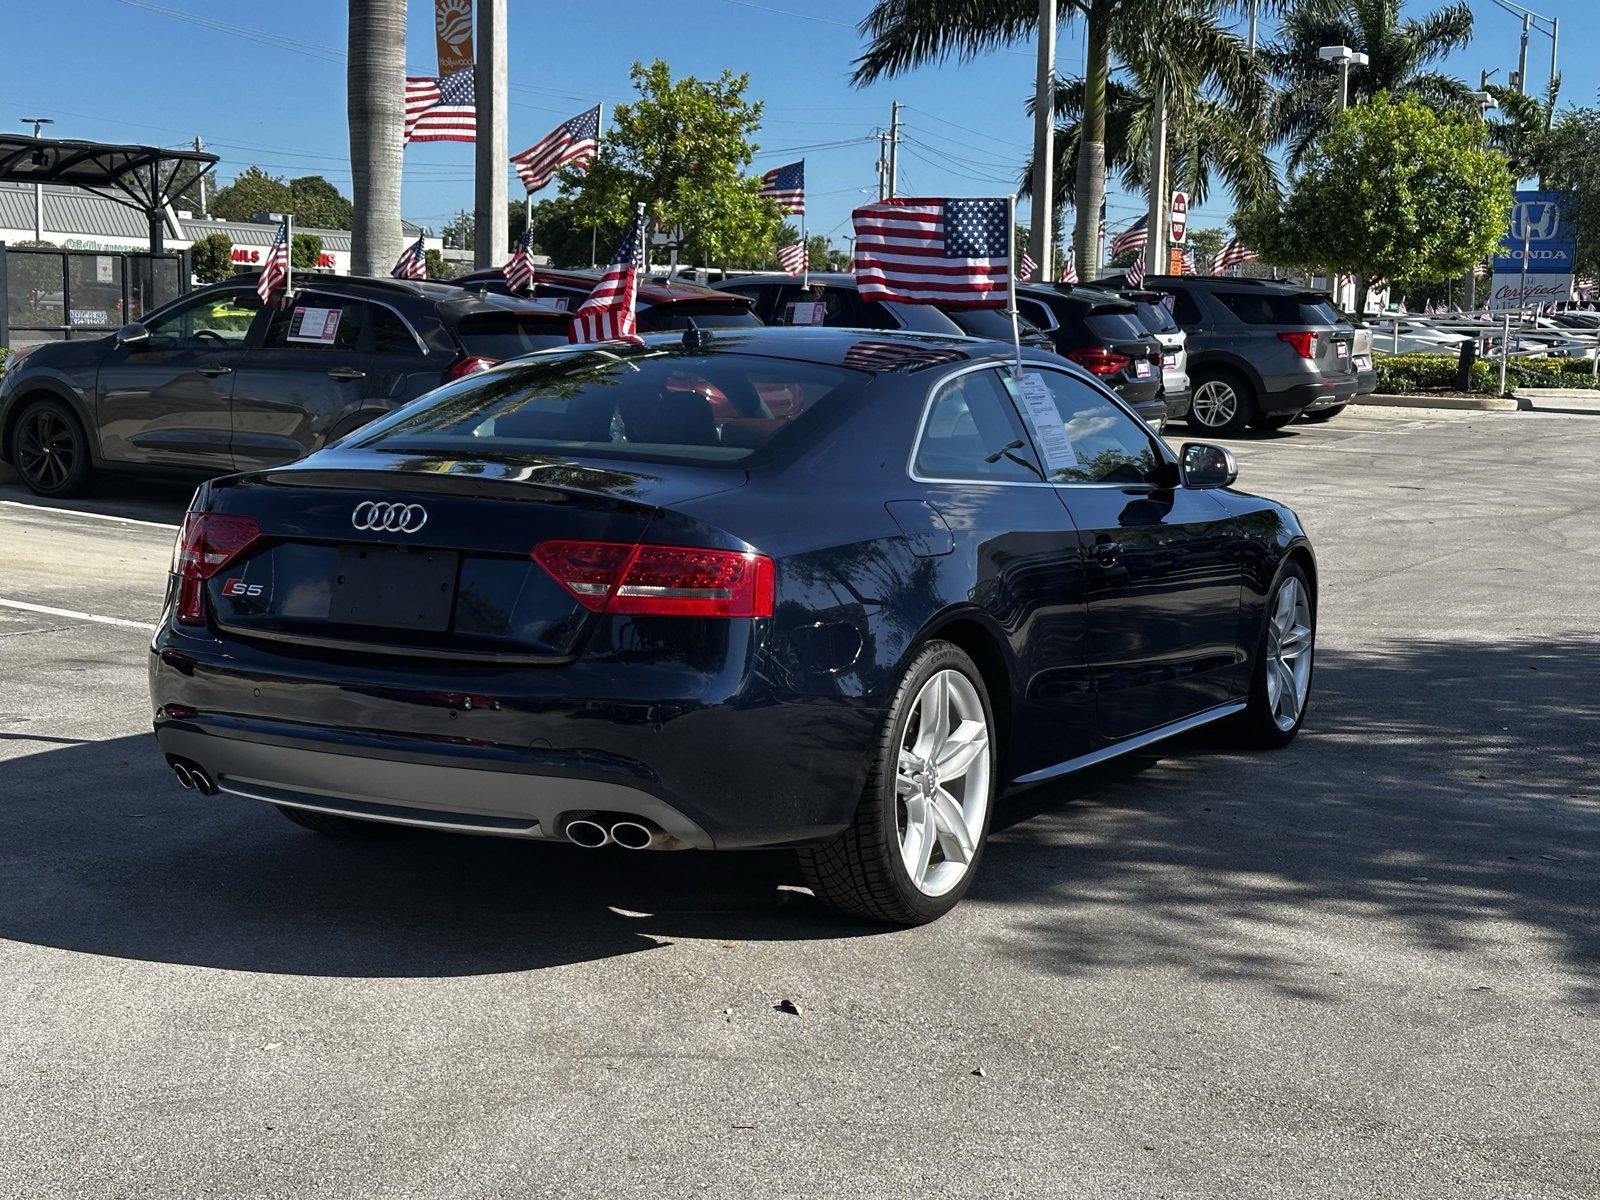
{"x": 1345, "y": 57}
{"x": 38, "y": 124}
{"x": 1041, "y": 244}
{"x": 1155, "y": 245}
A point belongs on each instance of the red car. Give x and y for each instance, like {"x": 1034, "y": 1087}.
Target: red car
{"x": 662, "y": 304}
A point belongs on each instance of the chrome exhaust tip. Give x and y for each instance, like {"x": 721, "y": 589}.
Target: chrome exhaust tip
{"x": 591, "y": 835}
{"x": 635, "y": 835}
{"x": 202, "y": 781}
{"x": 184, "y": 776}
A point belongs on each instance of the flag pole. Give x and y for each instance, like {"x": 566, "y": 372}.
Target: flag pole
{"x": 1011, "y": 280}
{"x": 805, "y": 248}
{"x": 288, "y": 259}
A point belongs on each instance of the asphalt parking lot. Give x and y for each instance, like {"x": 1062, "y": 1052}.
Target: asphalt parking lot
{"x": 1368, "y": 965}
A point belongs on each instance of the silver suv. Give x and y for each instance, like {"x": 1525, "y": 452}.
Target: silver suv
{"x": 1260, "y": 353}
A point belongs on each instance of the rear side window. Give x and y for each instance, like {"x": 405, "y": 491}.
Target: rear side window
{"x": 313, "y": 322}
{"x": 391, "y": 335}
{"x": 644, "y": 405}
{"x": 972, "y": 432}
{"x": 1156, "y": 317}
{"x": 1113, "y": 326}
{"x": 1106, "y": 444}
{"x": 842, "y": 307}
{"x": 1184, "y": 310}
{"x": 987, "y": 323}
{"x": 1272, "y": 308}
{"x": 499, "y": 336}
{"x": 1036, "y": 313}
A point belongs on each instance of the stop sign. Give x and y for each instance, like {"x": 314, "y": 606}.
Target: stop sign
{"x": 1178, "y": 220}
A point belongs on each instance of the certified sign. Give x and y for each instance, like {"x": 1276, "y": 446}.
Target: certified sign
{"x": 1178, "y": 218}
{"x": 1538, "y": 226}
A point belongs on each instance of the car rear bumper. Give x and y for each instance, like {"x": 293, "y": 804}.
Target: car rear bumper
{"x": 1312, "y": 395}
{"x": 1177, "y": 403}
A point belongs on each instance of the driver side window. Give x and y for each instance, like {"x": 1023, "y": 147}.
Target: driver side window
{"x": 218, "y": 321}
{"x": 1106, "y": 444}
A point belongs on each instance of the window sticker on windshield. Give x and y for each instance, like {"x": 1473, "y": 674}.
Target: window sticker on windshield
{"x": 559, "y": 303}
{"x": 318, "y": 326}
{"x": 804, "y": 312}
{"x": 1168, "y": 299}
{"x": 1045, "y": 419}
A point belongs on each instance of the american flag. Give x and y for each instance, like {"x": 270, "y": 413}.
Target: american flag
{"x": 1188, "y": 262}
{"x": 786, "y": 186}
{"x": 275, "y": 270}
{"x": 441, "y": 110}
{"x": 794, "y": 258}
{"x": 1135, "y": 275}
{"x": 1025, "y": 268}
{"x": 412, "y": 263}
{"x": 519, "y": 267}
{"x": 1132, "y": 238}
{"x": 1233, "y": 254}
{"x": 607, "y": 315}
{"x": 1479, "y": 270}
{"x": 570, "y": 144}
{"x": 878, "y": 357}
{"x": 1069, "y": 272}
{"x": 954, "y": 253}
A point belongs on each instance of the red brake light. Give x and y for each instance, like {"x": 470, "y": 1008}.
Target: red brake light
{"x": 1304, "y": 343}
{"x": 1099, "y": 361}
{"x": 469, "y": 364}
{"x": 207, "y": 543}
{"x": 661, "y": 581}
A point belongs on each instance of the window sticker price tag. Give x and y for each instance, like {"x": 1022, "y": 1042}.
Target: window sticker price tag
{"x": 805, "y": 312}
{"x": 1045, "y": 418}
{"x": 315, "y": 326}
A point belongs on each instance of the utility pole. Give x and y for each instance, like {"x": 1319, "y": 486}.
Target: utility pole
{"x": 38, "y": 124}
{"x": 894, "y": 148}
{"x": 1522, "y": 56}
{"x": 1041, "y": 245}
{"x": 1155, "y": 246}
{"x": 883, "y": 165}
{"x": 200, "y": 144}
{"x": 489, "y": 84}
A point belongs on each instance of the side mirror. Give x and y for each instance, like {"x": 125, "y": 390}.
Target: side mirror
{"x": 1205, "y": 466}
{"x": 133, "y": 336}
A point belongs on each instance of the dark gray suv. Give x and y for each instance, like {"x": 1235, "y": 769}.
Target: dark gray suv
{"x": 1260, "y": 353}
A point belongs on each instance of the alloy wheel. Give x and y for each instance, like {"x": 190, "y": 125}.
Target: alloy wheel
{"x": 1214, "y": 403}
{"x": 47, "y": 450}
{"x": 942, "y": 782}
{"x": 1289, "y": 647}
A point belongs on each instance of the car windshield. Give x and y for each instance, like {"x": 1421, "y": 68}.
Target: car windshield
{"x": 1115, "y": 325}
{"x": 650, "y": 405}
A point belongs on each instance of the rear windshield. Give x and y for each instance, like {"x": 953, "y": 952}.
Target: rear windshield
{"x": 500, "y": 336}
{"x": 1275, "y": 308}
{"x": 988, "y": 323}
{"x": 1157, "y": 318}
{"x": 671, "y": 406}
{"x": 1114, "y": 326}
{"x": 706, "y": 314}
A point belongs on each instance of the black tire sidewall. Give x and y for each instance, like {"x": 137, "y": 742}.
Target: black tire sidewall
{"x": 934, "y": 657}
{"x": 82, "y": 471}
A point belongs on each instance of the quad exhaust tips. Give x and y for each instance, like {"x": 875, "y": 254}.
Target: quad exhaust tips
{"x": 192, "y": 776}
{"x": 631, "y": 833}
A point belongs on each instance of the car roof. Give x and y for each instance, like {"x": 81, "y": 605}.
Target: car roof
{"x": 1098, "y": 298}
{"x": 653, "y": 289}
{"x": 455, "y": 302}
{"x": 816, "y": 278}
{"x": 1275, "y": 286}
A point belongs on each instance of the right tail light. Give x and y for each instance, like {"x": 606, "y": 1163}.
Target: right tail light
{"x": 661, "y": 581}
{"x": 1304, "y": 342}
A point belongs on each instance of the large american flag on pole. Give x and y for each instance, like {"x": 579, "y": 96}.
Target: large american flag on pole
{"x": 275, "y": 268}
{"x": 441, "y": 110}
{"x": 412, "y": 263}
{"x": 954, "y": 253}
{"x": 1133, "y": 237}
{"x": 570, "y": 144}
{"x": 607, "y": 315}
{"x": 786, "y": 186}
{"x": 519, "y": 267}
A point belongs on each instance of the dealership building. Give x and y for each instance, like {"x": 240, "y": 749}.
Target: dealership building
{"x": 75, "y": 219}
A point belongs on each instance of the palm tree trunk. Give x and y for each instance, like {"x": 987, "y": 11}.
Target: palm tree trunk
{"x": 375, "y": 104}
{"x": 1091, "y": 181}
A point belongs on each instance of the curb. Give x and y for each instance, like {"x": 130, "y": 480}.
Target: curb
{"x": 1557, "y": 400}
{"x": 1463, "y": 403}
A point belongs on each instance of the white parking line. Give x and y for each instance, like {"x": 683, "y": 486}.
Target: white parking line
{"x": 46, "y": 610}
{"x": 76, "y": 512}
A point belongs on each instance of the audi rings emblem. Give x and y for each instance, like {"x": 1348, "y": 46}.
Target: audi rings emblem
{"x": 382, "y": 516}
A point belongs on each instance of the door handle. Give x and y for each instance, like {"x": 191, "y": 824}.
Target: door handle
{"x": 345, "y": 373}
{"x": 1106, "y": 553}
{"x": 213, "y": 370}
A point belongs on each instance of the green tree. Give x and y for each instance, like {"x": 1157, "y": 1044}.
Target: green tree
{"x": 211, "y": 258}
{"x": 683, "y": 149}
{"x": 1205, "y": 243}
{"x": 438, "y": 268}
{"x": 306, "y": 250}
{"x": 1400, "y": 56}
{"x": 904, "y": 34}
{"x": 317, "y": 203}
{"x": 312, "y": 200}
{"x": 1569, "y": 161}
{"x": 458, "y": 232}
{"x": 1394, "y": 190}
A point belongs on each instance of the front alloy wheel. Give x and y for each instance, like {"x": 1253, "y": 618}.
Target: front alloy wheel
{"x": 918, "y": 834}
{"x": 48, "y": 450}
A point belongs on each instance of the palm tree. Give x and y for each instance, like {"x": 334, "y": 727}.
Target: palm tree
{"x": 1399, "y": 55}
{"x": 376, "y": 84}
{"x": 904, "y": 34}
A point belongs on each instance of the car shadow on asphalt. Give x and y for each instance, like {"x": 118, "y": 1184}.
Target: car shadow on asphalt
{"x": 1441, "y": 788}
{"x": 156, "y": 498}
{"x": 1447, "y": 791}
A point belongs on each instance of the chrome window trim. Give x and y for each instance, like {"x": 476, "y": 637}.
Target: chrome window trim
{"x": 1162, "y": 449}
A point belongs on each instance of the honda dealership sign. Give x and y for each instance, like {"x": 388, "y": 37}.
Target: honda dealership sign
{"x": 1538, "y": 224}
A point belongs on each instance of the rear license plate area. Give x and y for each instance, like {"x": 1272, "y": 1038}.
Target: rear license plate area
{"x": 394, "y": 587}
{"x": 1342, "y": 349}
{"x": 1169, "y": 362}
{"x": 1142, "y": 370}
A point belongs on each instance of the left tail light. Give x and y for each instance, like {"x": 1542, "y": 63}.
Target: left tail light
{"x": 661, "y": 581}
{"x": 1099, "y": 360}
{"x": 206, "y": 543}
{"x": 470, "y": 364}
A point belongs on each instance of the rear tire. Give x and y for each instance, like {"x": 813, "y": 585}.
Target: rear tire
{"x": 1283, "y": 662}
{"x": 1222, "y": 402}
{"x": 330, "y": 825}
{"x": 1325, "y": 414}
{"x": 50, "y": 450}
{"x": 918, "y": 836}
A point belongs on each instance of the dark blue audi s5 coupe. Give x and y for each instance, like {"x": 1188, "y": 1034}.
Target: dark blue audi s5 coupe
{"x": 833, "y": 589}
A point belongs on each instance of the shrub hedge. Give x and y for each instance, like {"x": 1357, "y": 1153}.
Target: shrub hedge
{"x": 1405, "y": 373}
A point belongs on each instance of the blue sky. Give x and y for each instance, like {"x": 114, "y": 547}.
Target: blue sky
{"x": 122, "y": 70}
